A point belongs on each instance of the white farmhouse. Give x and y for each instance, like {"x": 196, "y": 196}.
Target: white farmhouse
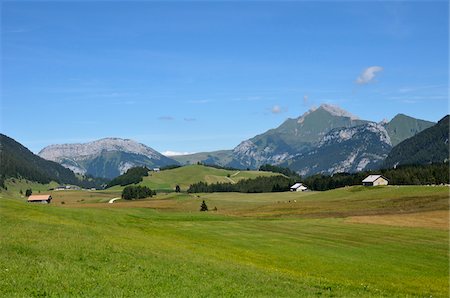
{"x": 298, "y": 187}
{"x": 374, "y": 180}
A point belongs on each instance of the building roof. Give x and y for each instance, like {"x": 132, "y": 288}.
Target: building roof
{"x": 373, "y": 178}
{"x": 39, "y": 197}
{"x": 297, "y": 185}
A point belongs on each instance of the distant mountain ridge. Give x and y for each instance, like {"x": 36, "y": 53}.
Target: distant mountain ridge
{"x": 292, "y": 137}
{"x": 402, "y": 127}
{"x": 326, "y": 139}
{"x": 316, "y": 142}
{"x": 428, "y": 146}
{"x": 107, "y": 158}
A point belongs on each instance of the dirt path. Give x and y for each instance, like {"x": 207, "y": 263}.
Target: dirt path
{"x": 231, "y": 180}
{"x": 113, "y": 200}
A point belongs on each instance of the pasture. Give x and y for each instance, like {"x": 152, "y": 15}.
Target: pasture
{"x": 347, "y": 242}
{"x": 187, "y": 175}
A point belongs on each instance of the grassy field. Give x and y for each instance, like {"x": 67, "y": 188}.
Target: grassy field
{"x": 187, "y": 175}
{"x": 348, "y": 242}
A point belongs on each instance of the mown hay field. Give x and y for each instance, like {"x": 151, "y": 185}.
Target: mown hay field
{"x": 279, "y": 244}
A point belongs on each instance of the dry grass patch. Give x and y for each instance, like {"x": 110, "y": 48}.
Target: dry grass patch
{"x": 431, "y": 219}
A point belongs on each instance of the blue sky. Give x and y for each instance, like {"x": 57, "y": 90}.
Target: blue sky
{"x": 201, "y": 76}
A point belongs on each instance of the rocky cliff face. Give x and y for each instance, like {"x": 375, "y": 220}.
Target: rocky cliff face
{"x": 292, "y": 137}
{"x": 352, "y": 149}
{"x": 106, "y": 158}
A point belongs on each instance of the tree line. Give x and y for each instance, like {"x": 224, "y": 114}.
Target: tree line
{"x": 256, "y": 185}
{"x": 276, "y": 169}
{"x": 132, "y": 176}
{"x": 402, "y": 175}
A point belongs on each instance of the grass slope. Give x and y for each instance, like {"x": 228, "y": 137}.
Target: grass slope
{"x": 15, "y": 185}
{"x": 47, "y": 250}
{"x": 221, "y": 157}
{"x": 187, "y": 175}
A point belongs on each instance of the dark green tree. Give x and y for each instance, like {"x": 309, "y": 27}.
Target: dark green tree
{"x": 132, "y": 176}
{"x": 177, "y": 188}
{"x": 28, "y": 192}
{"x": 203, "y": 206}
{"x": 136, "y": 192}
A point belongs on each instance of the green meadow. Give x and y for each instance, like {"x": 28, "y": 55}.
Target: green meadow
{"x": 187, "y": 175}
{"x": 254, "y": 245}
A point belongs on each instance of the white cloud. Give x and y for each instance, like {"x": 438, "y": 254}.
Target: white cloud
{"x": 174, "y": 153}
{"x": 368, "y": 74}
{"x": 276, "y": 109}
{"x": 305, "y": 100}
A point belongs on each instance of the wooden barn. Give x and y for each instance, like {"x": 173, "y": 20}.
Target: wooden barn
{"x": 43, "y": 199}
{"x": 374, "y": 180}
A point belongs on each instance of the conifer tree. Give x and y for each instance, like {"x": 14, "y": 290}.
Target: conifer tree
{"x": 203, "y": 206}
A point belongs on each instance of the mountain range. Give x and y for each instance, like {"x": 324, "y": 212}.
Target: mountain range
{"x": 107, "y": 158}
{"x": 326, "y": 139}
{"x": 428, "y": 146}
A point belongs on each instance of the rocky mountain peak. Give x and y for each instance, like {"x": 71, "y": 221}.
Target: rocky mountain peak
{"x": 107, "y": 157}
{"x": 331, "y": 109}
{"x": 54, "y": 152}
{"x": 337, "y": 111}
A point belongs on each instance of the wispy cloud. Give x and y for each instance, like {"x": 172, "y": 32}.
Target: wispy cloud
{"x": 368, "y": 75}
{"x": 200, "y": 101}
{"x": 249, "y": 98}
{"x": 276, "y": 109}
{"x": 166, "y": 118}
{"x": 419, "y": 97}
{"x": 409, "y": 89}
{"x": 190, "y": 119}
{"x": 123, "y": 102}
{"x": 17, "y": 30}
{"x": 407, "y": 101}
{"x": 175, "y": 153}
{"x": 305, "y": 100}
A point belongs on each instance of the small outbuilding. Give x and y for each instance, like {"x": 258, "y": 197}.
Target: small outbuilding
{"x": 43, "y": 199}
{"x": 298, "y": 187}
{"x": 374, "y": 180}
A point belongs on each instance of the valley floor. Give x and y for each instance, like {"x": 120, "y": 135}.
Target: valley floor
{"x": 382, "y": 241}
